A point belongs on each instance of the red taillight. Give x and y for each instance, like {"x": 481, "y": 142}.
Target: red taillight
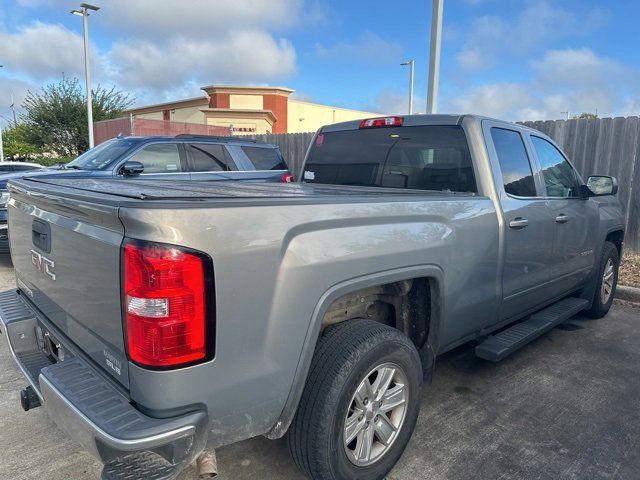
{"x": 381, "y": 122}
{"x": 287, "y": 178}
{"x": 165, "y": 304}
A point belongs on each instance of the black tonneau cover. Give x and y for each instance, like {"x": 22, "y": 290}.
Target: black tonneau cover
{"x": 203, "y": 190}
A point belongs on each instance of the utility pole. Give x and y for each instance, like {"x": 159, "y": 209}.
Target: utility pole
{"x": 13, "y": 110}
{"x": 411, "y": 64}
{"x": 434, "y": 56}
{"x": 84, "y": 13}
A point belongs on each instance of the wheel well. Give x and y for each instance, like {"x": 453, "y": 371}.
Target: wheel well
{"x": 405, "y": 305}
{"x": 616, "y": 238}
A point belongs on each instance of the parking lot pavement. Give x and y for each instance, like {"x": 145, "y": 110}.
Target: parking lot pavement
{"x": 564, "y": 407}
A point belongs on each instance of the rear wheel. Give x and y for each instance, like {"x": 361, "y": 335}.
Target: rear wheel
{"x": 360, "y": 404}
{"x": 607, "y": 281}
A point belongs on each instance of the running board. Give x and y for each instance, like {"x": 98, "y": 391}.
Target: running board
{"x": 503, "y": 344}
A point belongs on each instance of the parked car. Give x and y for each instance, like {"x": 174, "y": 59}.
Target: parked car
{"x": 9, "y": 170}
{"x": 153, "y": 319}
{"x": 9, "y": 167}
{"x": 188, "y": 157}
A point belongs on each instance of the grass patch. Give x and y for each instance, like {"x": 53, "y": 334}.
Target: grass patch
{"x": 630, "y": 269}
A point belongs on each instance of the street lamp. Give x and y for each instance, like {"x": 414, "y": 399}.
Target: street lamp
{"x": 84, "y": 13}
{"x": 411, "y": 64}
{"x": 434, "y": 56}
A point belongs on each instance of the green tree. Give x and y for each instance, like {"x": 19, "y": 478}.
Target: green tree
{"x": 16, "y": 143}
{"x": 56, "y": 117}
{"x": 586, "y": 116}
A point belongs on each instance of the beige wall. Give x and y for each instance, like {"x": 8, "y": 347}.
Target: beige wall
{"x": 308, "y": 117}
{"x": 150, "y": 116}
{"x": 246, "y": 102}
{"x": 188, "y": 115}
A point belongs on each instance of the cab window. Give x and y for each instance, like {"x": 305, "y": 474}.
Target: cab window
{"x": 560, "y": 179}
{"x": 517, "y": 175}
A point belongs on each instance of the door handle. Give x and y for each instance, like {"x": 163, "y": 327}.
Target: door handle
{"x": 562, "y": 218}
{"x": 518, "y": 222}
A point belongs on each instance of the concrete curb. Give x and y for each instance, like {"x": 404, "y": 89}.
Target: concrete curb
{"x": 630, "y": 294}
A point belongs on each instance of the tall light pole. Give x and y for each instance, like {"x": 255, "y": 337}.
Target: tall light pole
{"x": 84, "y": 13}
{"x": 411, "y": 64}
{"x": 1, "y": 149}
{"x": 434, "y": 56}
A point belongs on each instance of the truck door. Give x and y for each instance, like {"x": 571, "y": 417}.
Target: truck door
{"x": 528, "y": 229}
{"x": 575, "y": 219}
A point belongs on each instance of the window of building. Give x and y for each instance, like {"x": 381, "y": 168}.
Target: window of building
{"x": 560, "y": 179}
{"x": 517, "y": 175}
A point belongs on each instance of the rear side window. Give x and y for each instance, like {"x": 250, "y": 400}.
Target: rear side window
{"x": 265, "y": 158}
{"x": 514, "y": 163}
{"x": 159, "y": 158}
{"x": 560, "y": 178}
{"x": 209, "y": 157}
{"x": 421, "y": 157}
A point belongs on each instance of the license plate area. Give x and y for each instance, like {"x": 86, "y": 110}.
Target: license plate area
{"x": 50, "y": 345}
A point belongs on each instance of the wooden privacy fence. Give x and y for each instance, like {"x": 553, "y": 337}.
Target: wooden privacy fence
{"x": 293, "y": 147}
{"x": 604, "y": 146}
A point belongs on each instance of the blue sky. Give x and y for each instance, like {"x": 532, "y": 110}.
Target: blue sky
{"x": 515, "y": 59}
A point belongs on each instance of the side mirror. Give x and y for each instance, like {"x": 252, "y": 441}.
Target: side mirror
{"x": 601, "y": 185}
{"x": 132, "y": 168}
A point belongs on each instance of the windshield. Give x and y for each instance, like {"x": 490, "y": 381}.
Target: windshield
{"x": 420, "y": 157}
{"x": 102, "y": 156}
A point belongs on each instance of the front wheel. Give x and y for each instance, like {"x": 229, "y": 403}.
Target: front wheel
{"x": 607, "y": 281}
{"x": 360, "y": 404}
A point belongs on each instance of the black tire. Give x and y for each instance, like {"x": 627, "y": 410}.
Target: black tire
{"x": 344, "y": 356}
{"x": 600, "y": 308}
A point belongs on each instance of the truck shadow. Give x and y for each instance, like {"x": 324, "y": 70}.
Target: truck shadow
{"x": 5, "y": 260}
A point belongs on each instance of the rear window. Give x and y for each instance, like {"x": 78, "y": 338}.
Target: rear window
{"x": 423, "y": 158}
{"x": 265, "y": 158}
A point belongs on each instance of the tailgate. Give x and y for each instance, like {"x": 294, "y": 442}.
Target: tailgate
{"x": 66, "y": 256}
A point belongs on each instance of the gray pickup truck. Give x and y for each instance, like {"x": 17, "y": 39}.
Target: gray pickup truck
{"x": 158, "y": 320}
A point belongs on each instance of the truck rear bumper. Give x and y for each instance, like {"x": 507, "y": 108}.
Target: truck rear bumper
{"x": 88, "y": 406}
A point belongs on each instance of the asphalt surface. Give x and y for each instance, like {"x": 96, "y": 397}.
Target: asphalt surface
{"x": 565, "y": 407}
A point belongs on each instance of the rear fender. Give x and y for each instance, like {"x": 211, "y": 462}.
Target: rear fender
{"x": 433, "y": 272}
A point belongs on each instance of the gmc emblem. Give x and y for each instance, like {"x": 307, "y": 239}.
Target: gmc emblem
{"x": 43, "y": 264}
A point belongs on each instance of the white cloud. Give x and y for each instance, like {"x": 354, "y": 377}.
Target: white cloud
{"x": 389, "y": 102}
{"x": 368, "y": 47}
{"x": 489, "y": 37}
{"x": 577, "y": 80}
{"x": 42, "y": 51}
{"x": 11, "y": 90}
{"x": 165, "y": 48}
{"x": 199, "y": 18}
{"x": 243, "y": 56}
